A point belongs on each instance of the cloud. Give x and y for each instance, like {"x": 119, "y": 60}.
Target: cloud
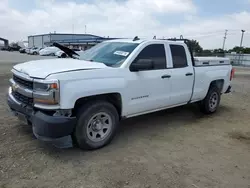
{"x": 122, "y": 19}
{"x": 210, "y": 32}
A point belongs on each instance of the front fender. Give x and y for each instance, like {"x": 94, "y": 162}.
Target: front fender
{"x": 73, "y": 90}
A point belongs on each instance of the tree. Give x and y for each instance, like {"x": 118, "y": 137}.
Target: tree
{"x": 206, "y": 53}
{"x": 246, "y": 51}
{"x": 238, "y": 49}
{"x": 219, "y": 51}
{"x": 195, "y": 46}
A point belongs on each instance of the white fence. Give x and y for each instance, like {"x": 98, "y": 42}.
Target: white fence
{"x": 239, "y": 59}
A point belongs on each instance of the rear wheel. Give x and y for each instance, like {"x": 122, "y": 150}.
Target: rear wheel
{"x": 96, "y": 126}
{"x": 35, "y": 53}
{"x": 211, "y": 102}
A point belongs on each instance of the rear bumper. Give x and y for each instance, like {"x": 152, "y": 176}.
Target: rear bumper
{"x": 45, "y": 127}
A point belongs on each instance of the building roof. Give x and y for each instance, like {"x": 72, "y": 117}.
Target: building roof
{"x": 65, "y": 34}
{"x": 80, "y": 41}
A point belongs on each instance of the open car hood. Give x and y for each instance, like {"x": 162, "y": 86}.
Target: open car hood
{"x": 66, "y": 50}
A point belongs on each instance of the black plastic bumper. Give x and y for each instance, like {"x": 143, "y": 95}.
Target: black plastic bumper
{"x": 45, "y": 127}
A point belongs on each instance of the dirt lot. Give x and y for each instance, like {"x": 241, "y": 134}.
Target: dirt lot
{"x": 174, "y": 148}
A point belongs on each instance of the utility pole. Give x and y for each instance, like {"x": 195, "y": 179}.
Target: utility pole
{"x": 241, "y": 41}
{"x": 224, "y": 41}
{"x": 85, "y": 29}
{"x": 242, "y": 35}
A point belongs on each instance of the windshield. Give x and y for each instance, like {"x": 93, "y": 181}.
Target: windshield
{"x": 109, "y": 53}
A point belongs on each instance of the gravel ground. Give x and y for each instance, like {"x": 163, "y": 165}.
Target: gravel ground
{"x": 177, "y": 148}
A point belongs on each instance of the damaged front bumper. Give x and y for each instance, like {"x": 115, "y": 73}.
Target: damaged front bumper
{"x": 55, "y": 129}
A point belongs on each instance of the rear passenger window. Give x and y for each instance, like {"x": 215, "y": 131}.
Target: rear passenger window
{"x": 179, "y": 56}
{"x": 156, "y": 53}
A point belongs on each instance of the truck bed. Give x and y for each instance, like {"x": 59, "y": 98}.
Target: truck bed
{"x": 204, "y": 75}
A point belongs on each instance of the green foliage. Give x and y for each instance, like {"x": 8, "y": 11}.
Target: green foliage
{"x": 195, "y": 46}
{"x": 218, "y": 51}
{"x": 238, "y": 49}
{"x": 198, "y": 50}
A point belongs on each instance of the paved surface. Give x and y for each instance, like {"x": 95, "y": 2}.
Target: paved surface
{"x": 177, "y": 148}
{"x": 16, "y": 57}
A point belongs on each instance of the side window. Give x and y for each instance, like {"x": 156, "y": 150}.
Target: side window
{"x": 179, "y": 56}
{"x": 156, "y": 53}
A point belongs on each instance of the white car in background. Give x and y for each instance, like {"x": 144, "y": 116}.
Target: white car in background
{"x": 60, "y": 54}
{"x": 27, "y": 50}
{"x": 49, "y": 51}
{"x": 34, "y": 51}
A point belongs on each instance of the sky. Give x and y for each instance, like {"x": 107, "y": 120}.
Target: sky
{"x": 202, "y": 20}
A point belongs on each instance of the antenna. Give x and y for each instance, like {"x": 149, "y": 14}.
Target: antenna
{"x": 136, "y": 38}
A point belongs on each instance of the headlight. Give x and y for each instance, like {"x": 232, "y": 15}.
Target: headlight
{"x": 46, "y": 92}
{"x": 45, "y": 86}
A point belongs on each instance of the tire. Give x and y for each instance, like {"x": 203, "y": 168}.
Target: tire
{"x": 91, "y": 132}
{"x": 211, "y": 102}
{"x": 35, "y": 53}
{"x": 63, "y": 55}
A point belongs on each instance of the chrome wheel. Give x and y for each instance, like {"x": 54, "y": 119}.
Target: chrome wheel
{"x": 99, "y": 126}
{"x": 213, "y": 101}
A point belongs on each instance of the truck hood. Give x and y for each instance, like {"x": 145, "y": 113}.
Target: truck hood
{"x": 43, "y": 68}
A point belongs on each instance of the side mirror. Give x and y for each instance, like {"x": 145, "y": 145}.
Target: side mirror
{"x": 141, "y": 65}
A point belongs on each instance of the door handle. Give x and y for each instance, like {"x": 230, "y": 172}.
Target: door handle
{"x": 166, "y": 76}
{"x": 189, "y": 74}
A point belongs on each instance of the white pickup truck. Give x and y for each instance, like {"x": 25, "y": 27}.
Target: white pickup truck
{"x": 83, "y": 100}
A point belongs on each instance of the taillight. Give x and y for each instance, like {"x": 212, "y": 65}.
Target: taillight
{"x": 232, "y": 74}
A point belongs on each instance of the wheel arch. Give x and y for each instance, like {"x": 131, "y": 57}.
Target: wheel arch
{"x": 113, "y": 98}
{"x": 218, "y": 83}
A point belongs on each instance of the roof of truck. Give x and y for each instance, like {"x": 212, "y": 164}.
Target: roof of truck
{"x": 126, "y": 40}
{"x": 140, "y": 40}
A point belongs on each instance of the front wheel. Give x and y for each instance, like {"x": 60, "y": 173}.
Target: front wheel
{"x": 211, "y": 102}
{"x": 96, "y": 126}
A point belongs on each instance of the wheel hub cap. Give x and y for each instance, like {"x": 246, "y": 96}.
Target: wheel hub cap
{"x": 99, "y": 126}
{"x": 213, "y": 100}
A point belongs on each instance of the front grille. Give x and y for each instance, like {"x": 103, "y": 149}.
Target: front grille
{"x": 25, "y": 83}
{"x": 23, "y": 99}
